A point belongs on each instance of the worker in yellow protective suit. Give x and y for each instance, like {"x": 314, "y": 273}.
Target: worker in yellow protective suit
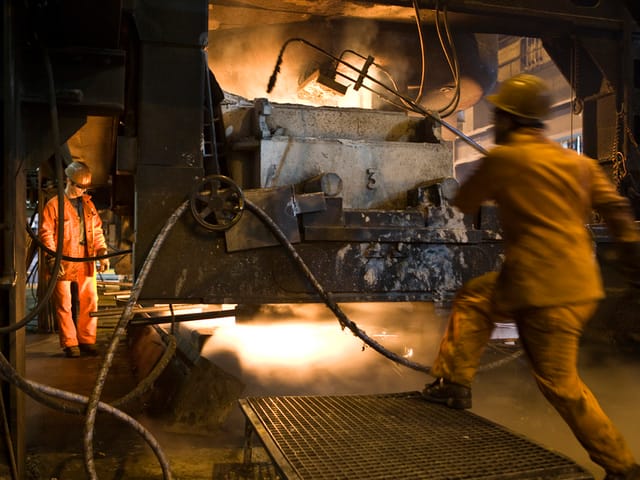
{"x": 83, "y": 237}
{"x": 550, "y": 283}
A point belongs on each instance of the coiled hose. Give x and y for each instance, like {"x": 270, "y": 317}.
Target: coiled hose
{"x": 48, "y": 395}
{"x": 119, "y": 333}
{"x": 44, "y": 393}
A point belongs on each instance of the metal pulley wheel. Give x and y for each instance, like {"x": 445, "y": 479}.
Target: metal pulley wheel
{"x": 217, "y": 202}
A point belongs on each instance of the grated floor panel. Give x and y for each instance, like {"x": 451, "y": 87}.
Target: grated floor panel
{"x": 394, "y": 436}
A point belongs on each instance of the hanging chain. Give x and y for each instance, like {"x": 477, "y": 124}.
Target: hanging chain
{"x": 617, "y": 158}
{"x": 577, "y": 102}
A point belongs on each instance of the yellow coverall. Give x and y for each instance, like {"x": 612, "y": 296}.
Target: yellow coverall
{"x": 550, "y": 282}
{"x": 83, "y": 273}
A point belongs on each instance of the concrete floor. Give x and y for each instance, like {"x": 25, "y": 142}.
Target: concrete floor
{"x": 55, "y": 439}
{"x": 320, "y": 359}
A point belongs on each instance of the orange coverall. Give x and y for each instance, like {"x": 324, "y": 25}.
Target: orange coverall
{"x": 549, "y": 284}
{"x": 82, "y": 273}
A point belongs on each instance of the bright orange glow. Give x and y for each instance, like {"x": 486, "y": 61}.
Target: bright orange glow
{"x": 301, "y": 348}
{"x": 284, "y": 343}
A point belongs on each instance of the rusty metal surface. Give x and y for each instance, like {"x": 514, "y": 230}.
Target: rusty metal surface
{"x": 352, "y": 271}
{"x": 420, "y": 253}
{"x": 394, "y": 436}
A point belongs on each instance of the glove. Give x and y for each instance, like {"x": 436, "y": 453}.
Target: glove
{"x": 51, "y": 263}
{"x": 629, "y": 256}
{"x": 103, "y": 263}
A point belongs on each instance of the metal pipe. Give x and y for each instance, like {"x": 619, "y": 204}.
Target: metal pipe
{"x": 406, "y": 100}
{"x": 189, "y": 317}
{"x": 599, "y": 18}
{"x": 108, "y": 312}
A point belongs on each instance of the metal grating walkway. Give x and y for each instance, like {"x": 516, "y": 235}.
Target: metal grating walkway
{"x": 393, "y": 436}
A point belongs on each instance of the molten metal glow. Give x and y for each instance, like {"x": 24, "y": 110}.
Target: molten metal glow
{"x": 320, "y": 85}
{"x": 284, "y": 343}
{"x": 301, "y": 349}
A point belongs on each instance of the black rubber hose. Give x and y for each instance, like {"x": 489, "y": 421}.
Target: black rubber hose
{"x": 95, "y": 258}
{"x": 326, "y": 296}
{"x": 119, "y": 333}
{"x": 7, "y": 370}
{"x": 55, "y": 130}
{"x": 139, "y": 389}
{"x": 333, "y": 306}
{"x": 148, "y": 381}
{"x": 8, "y": 440}
{"x": 43, "y": 394}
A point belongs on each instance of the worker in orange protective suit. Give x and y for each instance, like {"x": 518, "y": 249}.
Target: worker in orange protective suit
{"x": 550, "y": 283}
{"x": 83, "y": 237}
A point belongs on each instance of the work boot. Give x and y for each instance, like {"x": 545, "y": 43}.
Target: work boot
{"x": 451, "y": 394}
{"x": 632, "y": 474}
{"x": 72, "y": 352}
{"x": 89, "y": 349}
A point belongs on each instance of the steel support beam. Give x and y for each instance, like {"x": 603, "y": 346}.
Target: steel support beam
{"x": 12, "y": 260}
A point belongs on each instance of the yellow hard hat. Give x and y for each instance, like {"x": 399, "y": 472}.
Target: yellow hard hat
{"x": 523, "y": 95}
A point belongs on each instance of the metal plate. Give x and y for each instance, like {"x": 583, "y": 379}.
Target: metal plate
{"x": 250, "y": 232}
{"x": 397, "y": 436}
